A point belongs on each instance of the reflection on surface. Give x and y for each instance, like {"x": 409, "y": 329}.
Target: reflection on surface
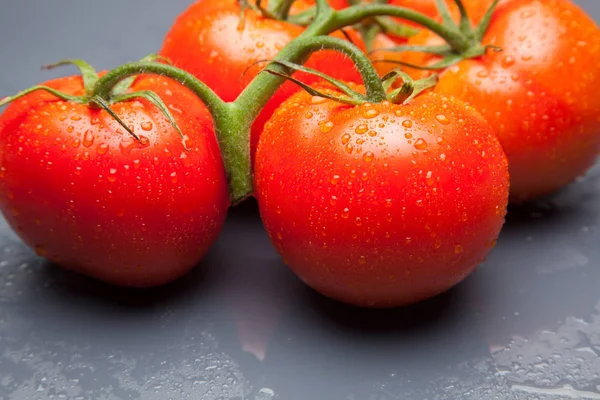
{"x": 526, "y": 325}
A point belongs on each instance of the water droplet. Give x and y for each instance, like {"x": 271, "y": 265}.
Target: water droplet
{"x": 76, "y": 143}
{"x": 408, "y": 135}
{"x": 364, "y": 176}
{"x": 442, "y": 119}
{"x": 508, "y": 61}
{"x": 372, "y": 133}
{"x": 407, "y": 124}
{"x": 349, "y": 148}
{"x": 429, "y": 178}
{"x": 102, "y": 149}
{"x": 327, "y": 127}
{"x": 318, "y": 100}
{"x": 346, "y": 213}
{"x": 420, "y": 144}
{"x": 308, "y": 115}
{"x": 147, "y": 126}
{"x": 174, "y": 177}
{"x": 260, "y": 44}
{"x": 346, "y": 138}
{"x": 358, "y": 221}
{"x": 112, "y": 175}
{"x": 438, "y": 244}
{"x": 335, "y": 179}
{"x": 76, "y": 118}
{"x": 70, "y": 128}
{"x": 86, "y": 155}
{"x": 458, "y": 249}
{"x": 361, "y": 129}
{"x": 484, "y": 73}
{"x": 370, "y": 113}
{"x": 78, "y": 171}
{"x": 362, "y": 260}
{"x": 62, "y": 118}
{"x": 333, "y": 200}
{"x": 442, "y": 157}
{"x": 88, "y": 139}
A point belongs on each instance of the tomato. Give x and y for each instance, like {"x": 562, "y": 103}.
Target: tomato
{"x": 208, "y": 41}
{"x": 83, "y": 193}
{"x": 381, "y": 205}
{"x": 336, "y": 4}
{"x": 539, "y": 93}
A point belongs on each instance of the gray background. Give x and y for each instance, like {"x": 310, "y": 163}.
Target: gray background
{"x": 526, "y": 325}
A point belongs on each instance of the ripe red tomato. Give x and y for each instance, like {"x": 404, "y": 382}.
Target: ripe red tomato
{"x": 83, "y": 193}
{"x": 539, "y": 94}
{"x": 381, "y": 205}
{"x": 208, "y": 41}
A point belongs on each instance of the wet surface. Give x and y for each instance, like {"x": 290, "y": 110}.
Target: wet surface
{"x": 525, "y": 325}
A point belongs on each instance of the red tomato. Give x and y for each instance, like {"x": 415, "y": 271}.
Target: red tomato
{"x": 207, "y": 41}
{"x": 83, "y": 193}
{"x": 539, "y": 94}
{"x": 381, "y": 205}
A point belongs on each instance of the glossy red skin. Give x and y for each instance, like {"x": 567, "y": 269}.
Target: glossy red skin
{"x": 539, "y": 94}
{"x": 386, "y": 215}
{"x": 206, "y": 40}
{"x": 80, "y": 191}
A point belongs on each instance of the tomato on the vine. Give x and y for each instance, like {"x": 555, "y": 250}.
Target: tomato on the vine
{"x": 381, "y": 205}
{"x": 210, "y": 41}
{"x": 539, "y": 93}
{"x": 87, "y": 195}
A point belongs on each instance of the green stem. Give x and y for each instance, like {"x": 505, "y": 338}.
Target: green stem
{"x": 232, "y": 123}
{"x": 352, "y": 15}
{"x": 280, "y": 8}
{"x": 262, "y": 88}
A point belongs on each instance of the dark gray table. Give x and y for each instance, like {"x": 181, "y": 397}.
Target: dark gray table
{"x": 526, "y": 325}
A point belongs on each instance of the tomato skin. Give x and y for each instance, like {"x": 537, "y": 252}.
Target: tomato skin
{"x": 539, "y": 93}
{"x": 381, "y": 205}
{"x": 207, "y": 41}
{"x": 79, "y": 190}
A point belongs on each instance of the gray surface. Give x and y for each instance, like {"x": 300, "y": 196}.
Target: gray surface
{"x": 526, "y": 325}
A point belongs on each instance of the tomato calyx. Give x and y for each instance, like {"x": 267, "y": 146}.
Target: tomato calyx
{"x": 463, "y": 40}
{"x": 92, "y": 99}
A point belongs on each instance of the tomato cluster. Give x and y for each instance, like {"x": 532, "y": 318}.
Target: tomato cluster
{"x": 374, "y": 193}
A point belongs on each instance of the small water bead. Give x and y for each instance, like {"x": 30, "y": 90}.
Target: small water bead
{"x": 372, "y": 133}
{"x": 102, "y": 149}
{"x": 334, "y": 180}
{"x": 112, "y": 175}
{"x": 362, "y": 260}
{"x": 308, "y": 115}
{"x": 408, "y": 135}
{"x": 318, "y": 100}
{"x": 349, "y": 148}
{"x": 442, "y": 119}
{"x": 369, "y": 157}
{"x": 361, "y": 129}
{"x": 62, "y": 118}
{"x": 333, "y": 200}
{"x": 260, "y": 44}
{"x": 75, "y": 118}
{"x": 76, "y": 143}
{"x": 458, "y": 249}
{"x": 407, "y": 123}
{"x": 147, "y": 126}
{"x": 345, "y": 213}
{"x": 327, "y": 127}
{"x": 508, "y": 61}
{"x": 420, "y": 144}
{"x": 346, "y": 138}
{"x": 358, "y": 221}
{"x": 88, "y": 139}
{"x": 442, "y": 157}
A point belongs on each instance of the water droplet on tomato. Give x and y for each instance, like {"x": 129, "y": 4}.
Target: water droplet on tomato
{"x": 369, "y": 157}
{"x": 147, "y": 126}
{"x": 70, "y": 128}
{"x": 358, "y": 221}
{"x": 308, "y": 115}
{"x": 442, "y": 157}
{"x": 62, "y": 118}
{"x": 372, "y": 133}
{"x": 508, "y": 61}
{"x": 78, "y": 171}
{"x": 458, "y": 249}
{"x": 429, "y": 178}
{"x": 173, "y": 177}
{"x": 333, "y": 200}
{"x": 407, "y": 123}
{"x": 437, "y": 244}
{"x": 349, "y": 148}
{"x": 484, "y": 73}
{"x": 346, "y": 138}
{"x": 346, "y": 213}
{"x": 442, "y": 119}
{"x": 361, "y": 129}
{"x": 327, "y": 127}
{"x": 335, "y": 179}
{"x": 420, "y": 144}
{"x": 318, "y": 100}
{"x": 260, "y": 44}
{"x": 362, "y": 260}
{"x": 364, "y": 176}
{"x": 102, "y": 149}
{"x": 408, "y": 135}
{"x": 112, "y": 176}
{"x": 76, "y": 143}
{"x": 85, "y": 156}
{"x": 76, "y": 118}
{"x": 88, "y": 138}
{"x": 370, "y": 113}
